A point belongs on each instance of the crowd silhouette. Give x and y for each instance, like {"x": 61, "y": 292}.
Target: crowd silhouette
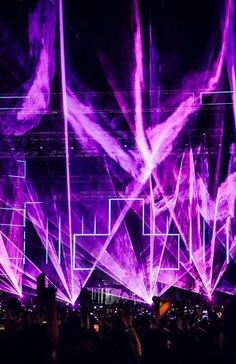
{"x": 123, "y": 332}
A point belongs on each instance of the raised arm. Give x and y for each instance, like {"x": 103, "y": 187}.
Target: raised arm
{"x": 127, "y": 319}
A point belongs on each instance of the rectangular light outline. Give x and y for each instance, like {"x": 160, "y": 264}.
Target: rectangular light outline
{"x": 15, "y": 97}
{"x": 17, "y": 176}
{"x": 109, "y": 232}
{"x": 13, "y": 209}
{"x": 213, "y": 93}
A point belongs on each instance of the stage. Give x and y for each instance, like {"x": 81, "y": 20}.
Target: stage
{"x": 118, "y": 149}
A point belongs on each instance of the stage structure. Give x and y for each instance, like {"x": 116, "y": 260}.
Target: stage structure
{"x": 123, "y": 161}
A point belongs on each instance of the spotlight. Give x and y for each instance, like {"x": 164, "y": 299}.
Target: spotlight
{"x": 210, "y": 296}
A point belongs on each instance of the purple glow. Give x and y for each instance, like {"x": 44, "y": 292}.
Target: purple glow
{"x": 149, "y": 204}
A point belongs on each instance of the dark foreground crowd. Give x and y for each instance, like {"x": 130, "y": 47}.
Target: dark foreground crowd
{"x": 122, "y": 332}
